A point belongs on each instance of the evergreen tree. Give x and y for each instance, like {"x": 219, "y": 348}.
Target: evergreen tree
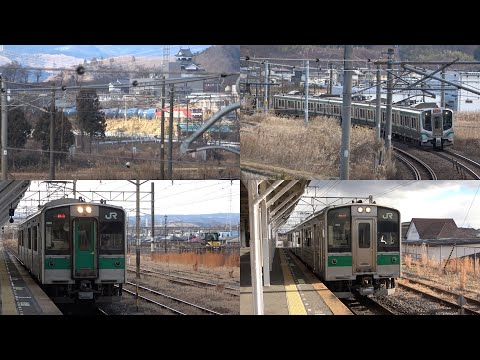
{"x": 64, "y": 137}
{"x": 18, "y": 131}
{"x": 91, "y": 121}
{"x": 18, "y": 128}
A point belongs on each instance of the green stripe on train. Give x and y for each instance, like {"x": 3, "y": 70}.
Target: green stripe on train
{"x": 388, "y": 259}
{"x": 64, "y": 263}
{"x": 109, "y": 263}
{"x": 338, "y": 260}
{"x": 57, "y": 263}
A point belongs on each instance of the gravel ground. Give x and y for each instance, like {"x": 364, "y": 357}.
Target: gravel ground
{"x": 406, "y": 302}
{"x": 211, "y": 298}
{"x": 441, "y": 167}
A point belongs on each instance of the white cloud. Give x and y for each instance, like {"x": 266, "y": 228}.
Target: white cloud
{"x": 424, "y": 199}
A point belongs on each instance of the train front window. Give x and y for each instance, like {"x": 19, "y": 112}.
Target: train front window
{"x": 447, "y": 119}
{"x": 339, "y": 231}
{"x": 111, "y": 237}
{"x": 57, "y": 241}
{"x": 427, "y": 120}
{"x": 388, "y": 233}
{"x": 112, "y": 231}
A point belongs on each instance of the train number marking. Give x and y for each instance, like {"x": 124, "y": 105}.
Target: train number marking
{"x": 387, "y": 216}
{"x": 112, "y": 215}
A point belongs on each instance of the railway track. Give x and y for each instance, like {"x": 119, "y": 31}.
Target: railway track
{"x": 202, "y": 276}
{"x": 434, "y": 298}
{"x": 101, "y": 311}
{"x": 472, "y": 167}
{"x": 364, "y": 305}
{"x": 231, "y": 290}
{"x": 472, "y": 305}
{"x": 171, "y": 298}
{"x": 421, "y": 171}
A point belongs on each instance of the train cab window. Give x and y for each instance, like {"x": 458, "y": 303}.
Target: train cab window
{"x": 383, "y": 116}
{"x": 388, "y": 233}
{"x": 339, "y": 232}
{"x": 427, "y": 120}
{"x": 29, "y": 238}
{"x": 57, "y": 230}
{"x": 447, "y": 119}
{"x": 111, "y": 232}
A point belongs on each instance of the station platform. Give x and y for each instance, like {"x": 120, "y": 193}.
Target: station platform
{"x": 19, "y": 293}
{"x": 294, "y": 290}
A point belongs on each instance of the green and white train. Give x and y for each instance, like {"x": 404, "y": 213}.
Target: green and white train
{"x": 425, "y": 127}
{"x": 352, "y": 248}
{"x": 76, "y": 250}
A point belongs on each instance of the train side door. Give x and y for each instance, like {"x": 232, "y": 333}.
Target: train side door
{"x": 84, "y": 234}
{"x": 364, "y": 240}
{"x": 316, "y": 250}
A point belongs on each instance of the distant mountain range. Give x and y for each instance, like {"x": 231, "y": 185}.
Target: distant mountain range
{"x": 373, "y": 52}
{"x": 201, "y": 220}
{"x": 88, "y": 52}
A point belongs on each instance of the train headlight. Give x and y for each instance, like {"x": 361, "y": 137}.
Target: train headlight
{"x": 88, "y": 209}
{"x": 367, "y": 209}
{"x": 360, "y": 209}
{"x": 80, "y": 209}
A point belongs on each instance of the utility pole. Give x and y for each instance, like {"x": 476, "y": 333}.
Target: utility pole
{"x": 170, "y": 135}
{"x": 125, "y": 106}
{"x": 152, "y": 247}
{"x": 137, "y": 242}
{"x": 307, "y": 71}
{"x": 74, "y": 189}
{"x": 265, "y": 100}
{"x": 137, "y": 229}
{"x": 165, "y": 237}
{"x": 51, "y": 175}
{"x": 346, "y": 112}
{"x": 442, "y": 102}
{"x": 162, "y": 133}
{"x": 378, "y": 113}
{"x": 388, "y": 115}
{"x": 4, "y": 127}
{"x": 330, "y": 81}
{"x": 187, "y": 118}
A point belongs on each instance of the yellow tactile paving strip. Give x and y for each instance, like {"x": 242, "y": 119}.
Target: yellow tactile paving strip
{"x": 335, "y": 305}
{"x": 8, "y": 300}
{"x": 294, "y": 301}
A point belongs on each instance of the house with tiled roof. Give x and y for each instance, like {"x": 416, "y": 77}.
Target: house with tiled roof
{"x": 436, "y": 229}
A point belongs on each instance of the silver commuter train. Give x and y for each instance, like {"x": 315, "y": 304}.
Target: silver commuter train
{"x": 76, "y": 250}
{"x": 429, "y": 126}
{"x": 352, "y": 247}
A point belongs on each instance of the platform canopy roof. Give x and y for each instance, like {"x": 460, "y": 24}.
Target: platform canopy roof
{"x": 11, "y": 192}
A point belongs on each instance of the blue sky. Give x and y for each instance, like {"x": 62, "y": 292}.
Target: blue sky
{"x": 424, "y": 199}
{"x": 182, "y": 197}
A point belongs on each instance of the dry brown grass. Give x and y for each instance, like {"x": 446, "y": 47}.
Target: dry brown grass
{"x": 109, "y": 163}
{"x": 195, "y": 260}
{"x": 135, "y": 125}
{"x": 407, "y": 260}
{"x": 467, "y": 132}
{"x": 288, "y": 143}
{"x": 458, "y": 274}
